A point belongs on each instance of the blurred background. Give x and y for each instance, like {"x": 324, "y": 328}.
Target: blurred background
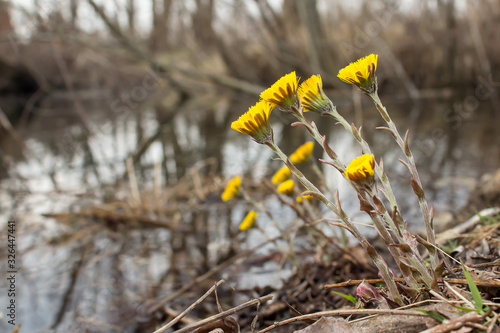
{"x": 115, "y": 139}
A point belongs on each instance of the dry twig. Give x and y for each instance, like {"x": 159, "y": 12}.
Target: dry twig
{"x": 205, "y": 276}
{"x": 490, "y": 283}
{"x": 456, "y": 323}
{"x": 189, "y": 309}
{"x": 226, "y": 313}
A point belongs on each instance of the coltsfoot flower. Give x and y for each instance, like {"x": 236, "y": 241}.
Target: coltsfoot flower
{"x": 281, "y": 175}
{"x": 361, "y": 73}
{"x": 249, "y": 220}
{"x": 303, "y": 153}
{"x": 361, "y": 168}
{"x": 232, "y": 189}
{"x": 312, "y": 96}
{"x": 283, "y": 93}
{"x": 286, "y": 187}
{"x": 255, "y": 122}
{"x": 306, "y": 197}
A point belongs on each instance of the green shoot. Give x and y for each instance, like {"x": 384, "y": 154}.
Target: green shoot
{"x": 432, "y": 314}
{"x": 346, "y": 296}
{"x": 452, "y": 245}
{"x": 476, "y": 295}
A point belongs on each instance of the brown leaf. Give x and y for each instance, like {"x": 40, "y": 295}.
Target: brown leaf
{"x": 329, "y": 324}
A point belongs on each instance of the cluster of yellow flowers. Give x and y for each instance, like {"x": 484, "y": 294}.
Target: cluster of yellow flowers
{"x": 281, "y": 177}
{"x": 309, "y": 96}
{"x": 231, "y": 191}
{"x": 362, "y": 172}
{"x": 286, "y": 94}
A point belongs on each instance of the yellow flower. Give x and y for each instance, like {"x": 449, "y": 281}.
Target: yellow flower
{"x": 361, "y": 73}
{"x": 301, "y": 198}
{"x": 249, "y": 220}
{"x": 283, "y": 93}
{"x": 232, "y": 189}
{"x": 302, "y": 153}
{"x": 312, "y": 96}
{"x": 255, "y": 122}
{"x": 361, "y": 168}
{"x": 281, "y": 175}
{"x": 286, "y": 187}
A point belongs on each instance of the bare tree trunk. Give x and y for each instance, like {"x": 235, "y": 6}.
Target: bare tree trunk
{"x": 284, "y": 27}
{"x": 131, "y": 17}
{"x": 159, "y": 33}
{"x": 5, "y": 26}
{"x": 167, "y": 6}
{"x": 290, "y": 14}
{"x": 37, "y": 9}
{"x": 239, "y": 15}
{"x": 447, "y": 10}
{"x": 310, "y": 18}
{"x": 202, "y": 21}
{"x": 73, "y": 8}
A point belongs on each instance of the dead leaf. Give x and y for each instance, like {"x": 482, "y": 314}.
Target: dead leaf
{"x": 329, "y": 324}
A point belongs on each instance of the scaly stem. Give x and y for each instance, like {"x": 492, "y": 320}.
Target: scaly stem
{"x": 376, "y": 258}
{"x": 424, "y": 207}
{"x": 389, "y": 194}
{"x": 414, "y": 257}
{"x": 321, "y": 175}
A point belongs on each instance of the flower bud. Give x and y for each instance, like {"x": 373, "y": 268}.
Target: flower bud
{"x": 368, "y": 293}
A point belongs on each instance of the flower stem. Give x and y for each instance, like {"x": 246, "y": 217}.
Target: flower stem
{"x": 398, "y": 230}
{"x": 367, "y": 150}
{"x": 424, "y": 207}
{"x": 374, "y": 255}
{"x": 321, "y": 176}
{"x": 414, "y": 257}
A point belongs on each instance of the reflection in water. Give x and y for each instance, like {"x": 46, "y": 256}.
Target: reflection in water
{"x": 81, "y": 275}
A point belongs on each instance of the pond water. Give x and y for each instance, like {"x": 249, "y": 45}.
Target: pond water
{"x": 73, "y": 160}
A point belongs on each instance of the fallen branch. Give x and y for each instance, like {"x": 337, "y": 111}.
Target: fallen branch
{"x": 343, "y": 313}
{"x": 467, "y": 225}
{"x": 229, "y": 312}
{"x": 142, "y": 220}
{"x": 189, "y": 309}
{"x": 456, "y": 323}
{"x": 490, "y": 283}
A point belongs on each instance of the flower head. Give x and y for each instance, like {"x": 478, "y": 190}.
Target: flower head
{"x": 302, "y": 153}
{"x": 312, "y": 96}
{"x": 232, "y": 189}
{"x": 249, "y": 220}
{"x": 361, "y": 73}
{"x": 255, "y": 122}
{"x": 361, "y": 168}
{"x": 281, "y": 175}
{"x": 286, "y": 187}
{"x": 283, "y": 93}
{"x": 301, "y": 198}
